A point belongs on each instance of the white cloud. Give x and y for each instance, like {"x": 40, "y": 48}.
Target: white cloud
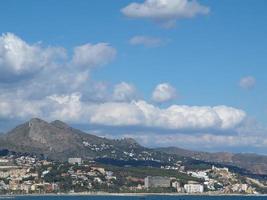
{"x": 166, "y": 11}
{"x": 146, "y": 41}
{"x": 89, "y": 55}
{"x": 175, "y": 117}
{"x": 116, "y": 114}
{"x": 50, "y": 65}
{"x": 230, "y": 116}
{"x": 18, "y": 58}
{"x": 124, "y": 92}
{"x": 48, "y": 70}
{"x": 12, "y": 108}
{"x": 164, "y": 92}
{"x": 247, "y": 82}
{"x": 70, "y": 107}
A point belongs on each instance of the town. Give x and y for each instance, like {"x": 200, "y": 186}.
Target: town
{"x": 31, "y": 175}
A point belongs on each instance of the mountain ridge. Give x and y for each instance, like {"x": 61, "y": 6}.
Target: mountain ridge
{"x": 251, "y": 161}
{"x": 57, "y": 140}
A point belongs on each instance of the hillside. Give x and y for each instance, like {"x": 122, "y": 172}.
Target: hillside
{"x": 256, "y": 164}
{"x": 55, "y": 140}
{"x": 58, "y": 141}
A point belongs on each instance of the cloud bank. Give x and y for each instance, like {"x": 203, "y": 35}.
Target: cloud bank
{"x": 135, "y": 113}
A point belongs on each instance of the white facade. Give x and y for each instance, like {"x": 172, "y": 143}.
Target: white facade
{"x": 194, "y": 188}
{"x": 4, "y": 161}
{"x": 220, "y": 169}
{"x": 75, "y": 161}
{"x": 200, "y": 174}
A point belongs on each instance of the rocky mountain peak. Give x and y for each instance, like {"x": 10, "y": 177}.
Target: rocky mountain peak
{"x": 36, "y": 122}
{"x": 60, "y": 124}
{"x": 38, "y": 130}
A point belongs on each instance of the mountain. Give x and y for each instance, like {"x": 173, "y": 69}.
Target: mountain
{"x": 256, "y": 164}
{"x": 56, "y": 140}
{"x": 59, "y": 141}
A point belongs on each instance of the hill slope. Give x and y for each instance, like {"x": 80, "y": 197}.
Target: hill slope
{"x": 57, "y": 140}
{"x": 256, "y": 164}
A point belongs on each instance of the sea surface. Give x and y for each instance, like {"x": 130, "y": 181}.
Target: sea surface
{"x": 160, "y": 197}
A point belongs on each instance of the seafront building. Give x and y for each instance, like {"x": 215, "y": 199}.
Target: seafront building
{"x": 194, "y": 188}
{"x": 157, "y": 181}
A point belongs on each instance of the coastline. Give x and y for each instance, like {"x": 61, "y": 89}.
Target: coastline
{"x": 127, "y": 194}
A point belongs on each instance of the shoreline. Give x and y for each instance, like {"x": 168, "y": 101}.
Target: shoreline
{"x": 127, "y": 194}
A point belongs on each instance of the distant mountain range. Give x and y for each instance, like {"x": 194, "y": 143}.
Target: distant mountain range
{"x": 58, "y": 141}
{"x": 256, "y": 164}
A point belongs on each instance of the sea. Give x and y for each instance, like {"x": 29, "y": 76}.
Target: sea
{"x": 160, "y": 197}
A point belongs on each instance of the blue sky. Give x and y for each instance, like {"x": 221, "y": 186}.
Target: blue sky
{"x": 216, "y": 57}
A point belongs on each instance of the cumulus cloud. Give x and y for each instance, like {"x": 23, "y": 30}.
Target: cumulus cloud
{"x": 89, "y": 55}
{"x": 48, "y": 70}
{"x": 15, "y": 108}
{"x": 146, "y": 41}
{"x": 175, "y": 117}
{"x": 124, "y": 92}
{"x": 136, "y": 113}
{"x": 67, "y": 106}
{"x": 116, "y": 114}
{"x": 247, "y": 82}
{"x": 164, "y": 92}
{"x": 18, "y": 58}
{"x": 165, "y": 11}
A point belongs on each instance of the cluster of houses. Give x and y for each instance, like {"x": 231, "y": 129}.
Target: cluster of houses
{"x": 17, "y": 175}
{"x": 27, "y": 174}
{"x": 215, "y": 180}
{"x": 166, "y": 182}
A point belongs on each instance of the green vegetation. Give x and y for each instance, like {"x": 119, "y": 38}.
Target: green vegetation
{"x": 142, "y": 172}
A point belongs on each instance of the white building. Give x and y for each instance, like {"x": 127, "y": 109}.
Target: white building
{"x": 240, "y": 187}
{"x": 75, "y": 161}
{"x": 220, "y": 169}
{"x": 200, "y": 174}
{"x": 194, "y": 188}
{"x": 3, "y": 160}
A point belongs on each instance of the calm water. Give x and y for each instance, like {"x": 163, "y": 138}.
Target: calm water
{"x": 137, "y": 198}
